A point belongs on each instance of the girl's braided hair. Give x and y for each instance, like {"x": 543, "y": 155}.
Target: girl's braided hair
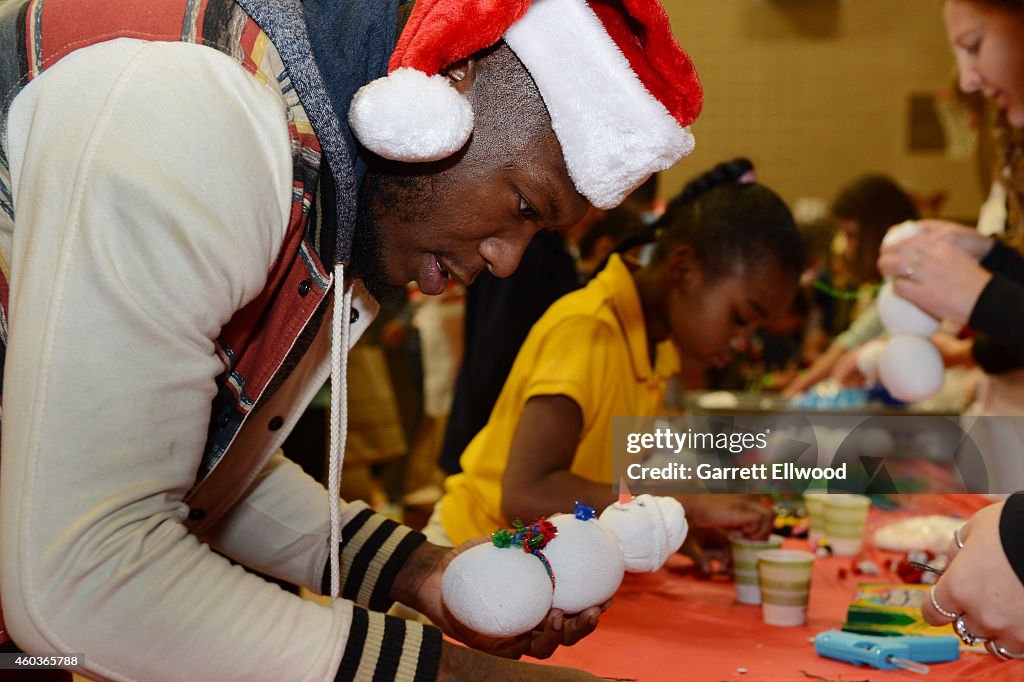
{"x": 732, "y": 222}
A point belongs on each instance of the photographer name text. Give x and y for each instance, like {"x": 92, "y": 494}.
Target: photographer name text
{"x": 779, "y": 471}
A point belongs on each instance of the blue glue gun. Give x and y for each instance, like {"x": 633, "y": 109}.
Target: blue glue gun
{"x": 887, "y": 653}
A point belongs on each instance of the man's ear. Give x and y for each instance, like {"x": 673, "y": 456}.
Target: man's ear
{"x": 682, "y": 268}
{"x": 461, "y": 74}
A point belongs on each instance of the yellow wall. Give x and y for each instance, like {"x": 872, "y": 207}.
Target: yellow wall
{"x": 816, "y": 92}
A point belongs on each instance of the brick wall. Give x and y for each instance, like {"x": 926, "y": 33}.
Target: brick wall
{"x": 817, "y": 92}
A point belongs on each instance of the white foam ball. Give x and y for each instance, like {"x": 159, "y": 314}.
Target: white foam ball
{"x": 587, "y": 562}
{"x": 911, "y": 368}
{"x": 900, "y": 316}
{"x": 674, "y": 516}
{"x": 497, "y": 592}
{"x": 897, "y": 233}
{"x": 650, "y": 529}
{"x": 868, "y": 357}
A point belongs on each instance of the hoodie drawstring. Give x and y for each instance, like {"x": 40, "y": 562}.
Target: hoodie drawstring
{"x": 340, "y": 332}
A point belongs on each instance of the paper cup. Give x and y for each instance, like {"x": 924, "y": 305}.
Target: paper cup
{"x": 744, "y": 566}
{"x": 748, "y": 589}
{"x": 815, "y": 505}
{"x": 785, "y": 579}
{"x": 845, "y": 517}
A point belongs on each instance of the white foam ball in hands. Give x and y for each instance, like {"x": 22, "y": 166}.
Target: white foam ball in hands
{"x": 587, "y": 562}
{"x": 897, "y": 233}
{"x": 911, "y": 368}
{"x": 900, "y": 316}
{"x": 499, "y": 592}
{"x": 649, "y": 529}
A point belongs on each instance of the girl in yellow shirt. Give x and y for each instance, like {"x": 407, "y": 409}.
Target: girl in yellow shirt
{"x": 728, "y": 257}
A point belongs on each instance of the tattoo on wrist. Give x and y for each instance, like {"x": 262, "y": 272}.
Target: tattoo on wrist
{"x": 422, "y": 563}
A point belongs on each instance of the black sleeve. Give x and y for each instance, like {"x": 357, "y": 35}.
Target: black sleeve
{"x": 1011, "y": 532}
{"x": 994, "y": 356}
{"x": 999, "y": 312}
{"x": 1006, "y": 261}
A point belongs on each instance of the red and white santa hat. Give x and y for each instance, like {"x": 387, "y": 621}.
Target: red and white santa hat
{"x": 620, "y": 91}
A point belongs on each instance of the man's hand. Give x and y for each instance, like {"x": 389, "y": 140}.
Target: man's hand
{"x": 418, "y": 585}
{"x": 554, "y": 631}
{"x": 460, "y": 663}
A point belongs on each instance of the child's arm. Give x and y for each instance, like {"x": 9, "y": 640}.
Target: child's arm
{"x": 537, "y": 480}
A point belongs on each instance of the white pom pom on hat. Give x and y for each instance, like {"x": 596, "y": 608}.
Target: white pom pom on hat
{"x": 619, "y": 89}
{"x": 378, "y": 129}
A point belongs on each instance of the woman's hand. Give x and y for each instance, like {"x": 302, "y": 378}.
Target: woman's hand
{"x": 934, "y": 274}
{"x": 980, "y": 585}
{"x": 967, "y": 239}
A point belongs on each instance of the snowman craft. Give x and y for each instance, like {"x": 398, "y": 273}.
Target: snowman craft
{"x": 569, "y": 562}
{"x": 908, "y": 364}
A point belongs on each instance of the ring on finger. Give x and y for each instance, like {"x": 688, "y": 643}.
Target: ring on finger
{"x": 908, "y": 272}
{"x": 957, "y": 539}
{"x": 965, "y": 635}
{"x": 937, "y": 607}
{"x": 1001, "y": 652}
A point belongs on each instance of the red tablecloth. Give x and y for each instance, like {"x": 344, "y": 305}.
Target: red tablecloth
{"x": 671, "y": 625}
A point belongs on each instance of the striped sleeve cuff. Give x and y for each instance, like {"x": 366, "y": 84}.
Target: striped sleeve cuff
{"x": 373, "y": 550}
{"x": 382, "y": 647}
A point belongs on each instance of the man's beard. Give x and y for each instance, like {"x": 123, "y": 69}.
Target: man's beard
{"x": 368, "y": 257}
{"x": 404, "y": 190}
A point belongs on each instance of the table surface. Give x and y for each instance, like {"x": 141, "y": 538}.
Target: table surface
{"x": 756, "y": 403}
{"x": 671, "y": 625}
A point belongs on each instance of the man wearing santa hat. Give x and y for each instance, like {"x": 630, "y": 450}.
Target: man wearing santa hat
{"x": 202, "y": 199}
